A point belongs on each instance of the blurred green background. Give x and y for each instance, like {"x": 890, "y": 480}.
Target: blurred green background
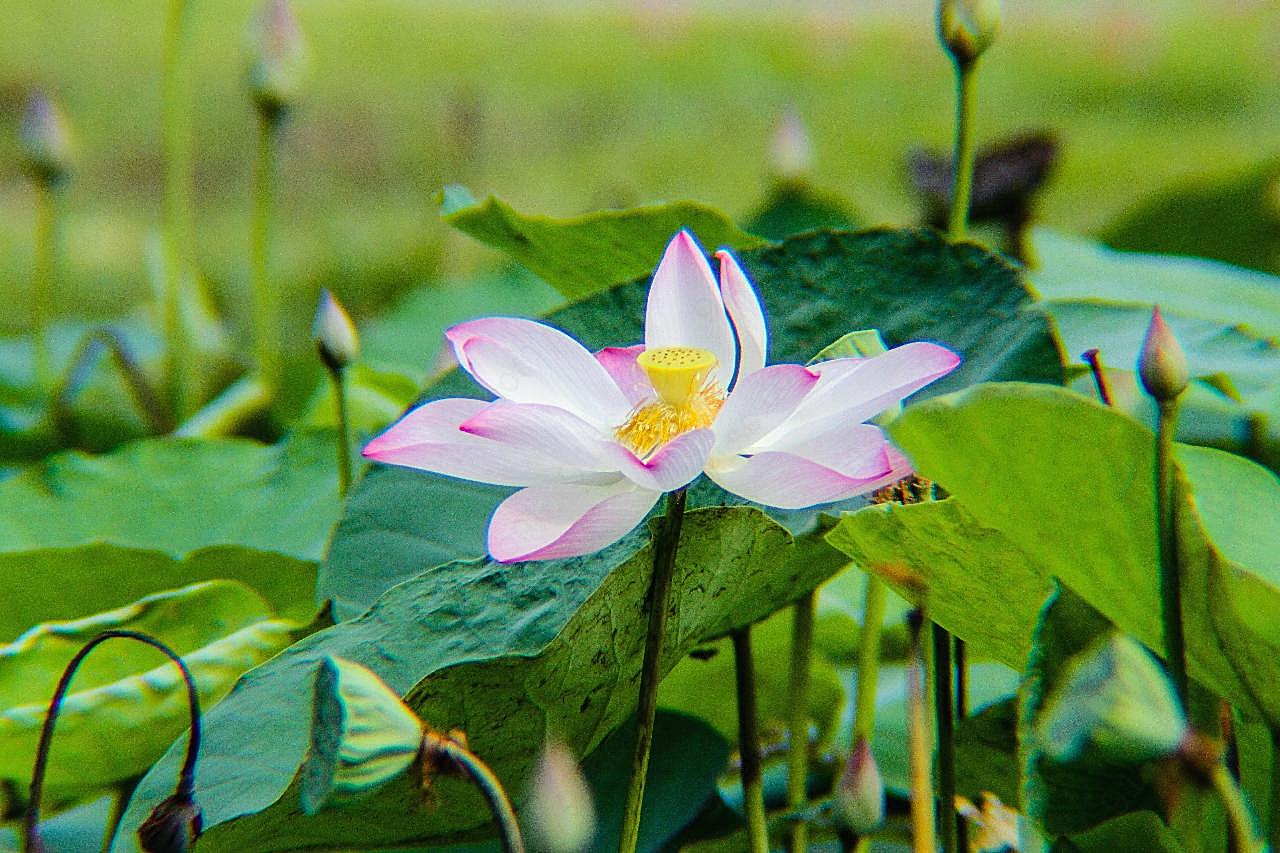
{"x": 567, "y": 106}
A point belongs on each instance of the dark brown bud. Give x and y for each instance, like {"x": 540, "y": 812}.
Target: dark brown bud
{"x": 172, "y": 827}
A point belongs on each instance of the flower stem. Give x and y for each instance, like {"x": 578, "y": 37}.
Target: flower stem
{"x": 266, "y": 301}
{"x": 864, "y": 715}
{"x": 338, "y": 376}
{"x": 187, "y": 775}
{"x": 178, "y": 208}
{"x": 918, "y": 744}
{"x": 42, "y": 281}
{"x": 1273, "y": 827}
{"x": 944, "y": 714}
{"x": 962, "y": 189}
{"x": 749, "y": 742}
{"x": 466, "y": 762}
{"x": 1240, "y": 835}
{"x": 803, "y": 612}
{"x": 1170, "y": 580}
{"x": 120, "y": 796}
{"x": 1094, "y": 359}
{"x": 80, "y": 369}
{"x": 241, "y": 400}
{"x": 664, "y": 562}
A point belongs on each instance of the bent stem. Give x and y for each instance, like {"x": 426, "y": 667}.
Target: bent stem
{"x": 1170, "y": 574}
{"x": 187, "y": 775}
{"x": 266, "y": 302}
{"x": 243, "y": 399}
{"x": 664, "y": 562}
{"x": 178, "y": 209}
{"x": 962, "y": 188}
{"x": 749, "y": 742}
{"x": 42, "y": 279}
{"x": 1094, "y": 359}
{"x": 436, "y": 746}
{"x": 798, "y": 719}
{"x": 1241, "y": 837}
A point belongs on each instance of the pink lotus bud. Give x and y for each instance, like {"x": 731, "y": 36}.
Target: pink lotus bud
{"x": 790, "y": 151}
{"x": 859, "y": 796}
{"x": 44, "y": 139}
{"x": 967, "y": 27}
{"x": 1162, "y": 366}
{"x": 278, "y": 57}
{"x": 334, "y": 333}
{"x": 561, "y": 816}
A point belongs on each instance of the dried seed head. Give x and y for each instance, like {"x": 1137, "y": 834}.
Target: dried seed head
{"x": 172, "y": 827}
{"x": 1162, "y": 365}
{"x": 967, "y": 27}
{"x": 334, "y": 333}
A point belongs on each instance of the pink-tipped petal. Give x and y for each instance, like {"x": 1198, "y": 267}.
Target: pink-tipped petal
{"x": 789, "y": 481}
{"x": 744, "y": 309}
{"x": 853, "y": 392}
{"x": 563, "y": 520}
{"x": 685, "y": 308}
{"x": 540, "y": 430}
{"x": 760, "y": 402}
{"x": 620, "y": 363}
{"x": 676, "y": 464}
{"x": 428, "y": 438}
{"x": 529, "y": 362}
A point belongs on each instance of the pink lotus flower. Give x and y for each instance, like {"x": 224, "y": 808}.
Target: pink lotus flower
{"x": 594, "y": 440}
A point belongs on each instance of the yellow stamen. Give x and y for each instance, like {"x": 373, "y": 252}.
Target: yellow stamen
{"x": 686, "y": 400}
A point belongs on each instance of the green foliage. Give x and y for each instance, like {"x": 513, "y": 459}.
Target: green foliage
{"x": 126, "y": 705}
{"x": 795, "y": 206}
{"x": 1136, "y": 832}
{"x": 586, "y": 254}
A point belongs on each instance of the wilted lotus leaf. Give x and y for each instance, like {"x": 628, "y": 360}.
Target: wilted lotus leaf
{"x": 362, "y": 735}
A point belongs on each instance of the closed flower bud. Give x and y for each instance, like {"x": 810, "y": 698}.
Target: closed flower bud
{"x": 967, "y": 27}
{"x": 1162, "y": 366}
{"x": 172, "y": 827}
{"x": 1117, "y": 698}
{"x": 334, "y": 333}
{"x": 790, "y": 151}
{"x": 44, "y": 138}
{"x": 278, "y": 58}
{"x": 561, "y": 816}
{"x": 362, "y": 736}
{"x": 859, "y": 795}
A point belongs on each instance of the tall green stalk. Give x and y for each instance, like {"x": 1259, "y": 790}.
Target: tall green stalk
{"x": 339, "y": 379}
{"x": 1170, "y": 571}
{"x": 803, "y": 613}
{"x": 664, "y": 563}
{"x": 962, "y": 188}
{"x": 864, "y": 716}
{"x": 42, "y": 280}
{"x": 178, "y": 206}
{"x": 749, "y": 742}
{"x": 944, "y": 712}
{"x": 919, "y": 747}
{"x": 266, "y": 300}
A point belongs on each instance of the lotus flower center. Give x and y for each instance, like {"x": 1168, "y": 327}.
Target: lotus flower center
{"x": 686, "y": 400}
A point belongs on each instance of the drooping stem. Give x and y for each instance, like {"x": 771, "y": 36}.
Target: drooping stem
{"x": 919, "y": 745}
{"x": 222, "y": 415}
{"x": 42, "y": 280}
{"x": 178, "y": 207}
{"x": 266, "y": 301}
{"x": 338, "y": 376}
{"x": 81, "y": 368}
{"x": 187, "y": 775}
{"x": 749, "y": 742}
{"x": 664, "y": 562}
{"x": 962, "y": 188}
{"x": 944, "y": 714}
{"x": 1094, "y": 359}
{"x": 467, "y": 763}
{"x": 864, "y": 715}
{"x": 1170, "y": 579}
{"x": 1241, "y": 835}
{"x": 803, "y": 613}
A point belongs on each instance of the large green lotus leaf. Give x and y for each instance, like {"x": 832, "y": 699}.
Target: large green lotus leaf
{"x": 130, "y": 703}
{"x": 796, "y": 206}
{"x": 178, "y": 495}
{"x": 61, "y": 583}
{"x": 1137, "y": 832}
{"x": 1073, "y": 796}
{"x": 582, "y": 255}
{"x": 911, "y": 285}
{"x": 507, "y": 653}
{"x": 1069, "y": 483}
{"x": 979, "y": 585}
{"x": 1232, "y": 217}
{"x": 1076, "y": 268}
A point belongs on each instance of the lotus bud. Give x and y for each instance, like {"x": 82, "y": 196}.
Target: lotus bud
{"x": 172, "y": 827}
{"x": 790, "y": 151}
{"x": 362, "y": 736}
{"x": 334, "y": 333}
{"x": 44, "y": 138}
{"x": 561, "y": 816}
{"x": 1117, "y": 698}
{"x": 278, "y": 58}
{"x": 967, "y": 27}
{"x": 1162, "y": 366}
{"x": 859, "y": 795}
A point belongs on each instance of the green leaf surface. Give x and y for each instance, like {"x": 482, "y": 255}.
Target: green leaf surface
{"x": 582, "y": 255}
{"x": 1069, "y": 482}
{"x": 547, "y": 647}
{"x": 131, "y": 704}
{"x": 796, "y": 206}
{"x": 911, "y": 285}
{"x": 1137, "y": 832}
